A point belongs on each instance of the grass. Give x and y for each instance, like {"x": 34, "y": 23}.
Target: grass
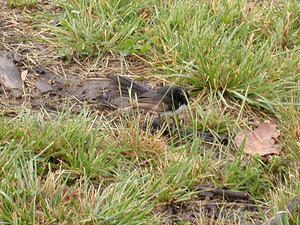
{"x": 21, "y": 3}
{"x": 239, "y": 49}
{"x": 240, "y": 60}
{"x": 65, "y": 168}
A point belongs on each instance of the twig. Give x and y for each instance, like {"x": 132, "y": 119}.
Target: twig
{"x": 226, "y": 193}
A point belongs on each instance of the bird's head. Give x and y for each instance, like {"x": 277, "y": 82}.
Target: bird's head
{"x": 180, "y": 95}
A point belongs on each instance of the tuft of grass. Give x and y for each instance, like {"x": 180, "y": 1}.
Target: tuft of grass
{"x": 21, "y": 3}
{"x": 222, "y": 47}
{"x": 95, "y": 28}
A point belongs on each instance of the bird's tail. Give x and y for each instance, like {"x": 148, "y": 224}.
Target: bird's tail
{"x": 127, "y": 87}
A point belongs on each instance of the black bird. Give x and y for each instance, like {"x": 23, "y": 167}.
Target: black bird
{"x": 163, "y": 101}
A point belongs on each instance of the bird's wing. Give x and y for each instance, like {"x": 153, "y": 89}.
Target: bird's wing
{"x": 159, "y": 98}
{"x": 151, "y": 101}
{"x": 152, "y": 107}
{"x": 158, "y": 95}
{"x": 127, "y": 85}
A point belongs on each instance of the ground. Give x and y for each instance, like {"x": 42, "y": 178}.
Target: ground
{"x": 150, "y": 174}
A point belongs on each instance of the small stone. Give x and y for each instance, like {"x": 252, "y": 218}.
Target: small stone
{"x": 9, "y": 73}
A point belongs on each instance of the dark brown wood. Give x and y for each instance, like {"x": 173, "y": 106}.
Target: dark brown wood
{"x": 222, "y": 192}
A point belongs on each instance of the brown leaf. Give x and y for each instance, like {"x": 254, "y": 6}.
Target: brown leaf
{"x": 260, "y": 141}
{"x": 67, "y": 196}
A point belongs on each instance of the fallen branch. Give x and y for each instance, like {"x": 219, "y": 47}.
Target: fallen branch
{"x": 222, "y": 192}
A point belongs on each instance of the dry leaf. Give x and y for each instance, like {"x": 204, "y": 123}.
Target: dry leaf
{"x": 260, "y": 141}
{"x": 24, "y": 75}
{"x": 68, "y": 196}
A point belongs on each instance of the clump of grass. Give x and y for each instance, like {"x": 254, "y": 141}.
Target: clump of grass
{"x": 213, "y": 115}
{"x": 138, "y": 142}
{"x": 21, "y": 3}
{"x": 94, "y": 28}
{"x": 222, "y": 47}
{"x": 290, "y": 127}
{"x": 50, "y": 165}
{"x": 68, "y": 141}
